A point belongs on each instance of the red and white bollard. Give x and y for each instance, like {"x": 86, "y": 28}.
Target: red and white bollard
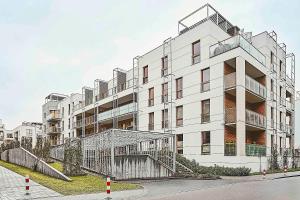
{"x": 108, "y": 187}
{"x": 27, "y": 184}
{"x": 285, "y": 170}
{"x": 264, "y": 174}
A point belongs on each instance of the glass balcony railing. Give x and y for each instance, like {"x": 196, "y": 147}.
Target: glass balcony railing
{"x": 252, "y": 118}
{"x": 255, "y": 87}
{"x": 255, "y": 150}
{"x": 230, "y": 149}
{"x": 54, "y": 116}
{"x": 230, "y": 80}
{"x": 234, "y": 42}
{"x": 77, "y": 124}
{"x": 255, "y": 119}
{"x": 126, "y": 109}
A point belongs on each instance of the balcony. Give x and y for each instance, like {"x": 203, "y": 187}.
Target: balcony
{"x": 254, "y": 86}
{"x": 77, "y": 106}
{"x": 53, "y": 129}
{"x": 290, "y": 106}
{"x": 53, "y": 116}
{"x": 90, "y": 120}
{"x": 230, "y": 149}
{"x": 123, "y": 110}
{"x": 234, "y": 42}
{"x": 255, "y": 119}
{"x": 230, "y": 81}
{"x": 252, "y": 118}
{"x": 255, "y": 150}
{"x": 77, "y": 124}
{"x": 205, "y": 149}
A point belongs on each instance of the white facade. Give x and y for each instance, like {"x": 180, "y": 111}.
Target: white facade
{"x": 226, "y": 99}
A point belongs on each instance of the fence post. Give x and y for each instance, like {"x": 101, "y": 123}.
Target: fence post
{"x": 112, "y": 153}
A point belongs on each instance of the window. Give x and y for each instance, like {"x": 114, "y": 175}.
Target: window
{"x": 28, "y": 133}
{"x": 69, "y": 109}
{"x": 179, "y": 88}
{"x": 151, "y": 121}
{"x": 63, "y": 125}
{"x": 179, "y": 143}
{"x": 179, "y": 115}
{"x": 196, "y": 52}
{"x": 273, "y": 66}
{"x": 272, "y": 117}
{"x": 272, "y": 57}
{"x": 205, "y": 147}
{"x": 164, "y": 66}
{"x": 164, "y": 93}
{"x": 205, "y": 78}
{"x": 151, "y": 97}
{"x": 205, "y": 111}
{"x": 69, "y": 124}
{"x": 164, "y": 117}
{"x": 44, "y": 115}
{"x": 145, "y": 74}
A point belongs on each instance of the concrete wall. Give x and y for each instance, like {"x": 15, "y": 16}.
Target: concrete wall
{"x": 138, "y": 167}
{"x": 26, "y": 159}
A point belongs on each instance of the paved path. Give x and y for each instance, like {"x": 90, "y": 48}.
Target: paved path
{"x": 12, "y": 187}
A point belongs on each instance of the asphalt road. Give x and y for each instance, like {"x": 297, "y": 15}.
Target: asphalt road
{"x": 278, "y": 189}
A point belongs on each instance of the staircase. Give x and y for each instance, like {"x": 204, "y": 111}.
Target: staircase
{"x": 182, "y": 170}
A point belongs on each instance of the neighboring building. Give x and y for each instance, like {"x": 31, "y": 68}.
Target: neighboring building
{"x": 297, "y": 119}
{"x": 227, "y": 95}
{"x": 58, "y": 116}
{"x": 29, "y": 130}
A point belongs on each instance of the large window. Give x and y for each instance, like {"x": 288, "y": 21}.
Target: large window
{"x": 179, "y": 115}
{"x": 151, "y": 97}
{"x": 164, "y": 118}
{"x": 205, "y": 111}
{"x": 151, "y": 121}
{"x": 205, "y": 147}
{"x": 164, "y": 93}
{"x": 164, "y": 66}
{"x": 205, "y": 78}
{"x": 196, "y": 52}
{"x": 145, "y": 74}
{"x": 179, "y": 88}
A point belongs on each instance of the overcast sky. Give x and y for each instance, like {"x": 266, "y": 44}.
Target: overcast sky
{"x": 59, "y": 46}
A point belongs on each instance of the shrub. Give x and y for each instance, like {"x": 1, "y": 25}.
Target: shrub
{"x": 214, "y": 170}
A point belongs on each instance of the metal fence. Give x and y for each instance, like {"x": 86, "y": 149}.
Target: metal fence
{"x": 101, "y": 150}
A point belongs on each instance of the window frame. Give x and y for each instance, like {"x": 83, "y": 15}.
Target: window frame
{"x": 205, "y": 116}
{"x": 194, "y": 56}
{"x": 179, "y": 92}
{"x": 150, "y": 99}
{"x": 205, "y": 82}
{"x": 145, "y": 78}
{"x": 179, "y": 120}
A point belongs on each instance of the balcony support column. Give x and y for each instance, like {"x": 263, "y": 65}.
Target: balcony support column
{"x": 240, "y": 106}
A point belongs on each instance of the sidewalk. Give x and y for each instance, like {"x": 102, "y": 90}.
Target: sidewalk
{"x": 12, "y": 187}
{"x": 260, "y": 177}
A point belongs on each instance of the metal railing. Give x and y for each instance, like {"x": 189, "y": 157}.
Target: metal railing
{"x": 90, "y": 120}
{"x": 230, "y": 149}
{"x": 255, "y": 87}
{"x": 54, "y": 116}
{"x": 205, "y": 149}
{"x": 255, "y": 150}
{"x": 234, "y": 42}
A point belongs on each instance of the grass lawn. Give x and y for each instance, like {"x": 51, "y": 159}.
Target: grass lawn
{"x": 78, "y": 185}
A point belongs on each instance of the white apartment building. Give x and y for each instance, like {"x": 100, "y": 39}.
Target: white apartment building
{"x": 228, "y": 95}
{"x": 29, "y": 130}
{"x": 297, "y": 118}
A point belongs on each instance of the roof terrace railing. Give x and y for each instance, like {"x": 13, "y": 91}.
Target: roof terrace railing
{"x": 234, "y": 42}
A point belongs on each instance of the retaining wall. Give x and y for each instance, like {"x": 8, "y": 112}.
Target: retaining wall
{"x": 22, "y": 157}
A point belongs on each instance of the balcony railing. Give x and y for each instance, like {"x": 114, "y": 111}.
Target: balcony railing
{"x": 255, "y": 150}
{"x": 77, "y": 124}
{"x": 289, "y": 106}
{"x": 255, "y": 119}
{"x": 230, "y": 149}
{"x": 126, "y": 109}
{"x": 255, "y": 87}
{"x": 89, "y": 120}
{"x": 205, "y": 149}
{"x": 252, "y": 118}
{"x": 230, "y": 80}
{"x": 234, "y": 42}
{"x": 54, "y": 116}
{"x": 53, "y": 129}
{"x": 77, "y": 106}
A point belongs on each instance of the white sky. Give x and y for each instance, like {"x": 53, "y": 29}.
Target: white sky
{"x": 60, "y": 46}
